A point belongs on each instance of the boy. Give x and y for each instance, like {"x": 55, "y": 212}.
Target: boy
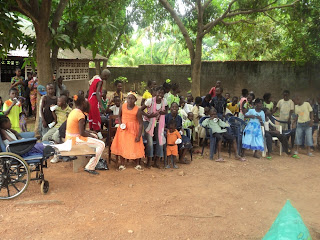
{"x": 12, "y": 109}
{"x": 104, "y": 100}
{"x": 219, "y": 102}
{"x": 172, "y": 147}
{"x": 227, "y": 97}
{"x": 217, "y": 126}
{"x": 59, "y": 86}
{"x": 60, "y": 115}
{"x": 286, "y": 107}
{"x": 206, "y": 101}
{"x": 189, "y": 124}
{"x": 190, "y": 98}
{"x": 114, "y": 109}
{"x": 47, "y": 101}
{"x": 316, "y": 111}
{"x": 233, "y": 106}
{"x": 18, "y": 83}
{"x": 212, "y": 91}
{"x": 304, "y": 123}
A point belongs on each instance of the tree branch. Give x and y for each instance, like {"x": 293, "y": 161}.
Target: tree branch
{"x": 45, "y": 11}
{"x": 191, "y": 4}
{"x": 206, "y": 4}
{"x": 182, "y": 28}
{"x": 235, "y": 22}
{"x": 210, "y": 25}
{"x": 26, "y": 9}
{"x": 58, "y": 14}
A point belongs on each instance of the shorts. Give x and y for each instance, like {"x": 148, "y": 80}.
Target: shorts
{"x": 172, "y": 150}
{"x": 224, "y": 136}
{"x": 304, "y": 130}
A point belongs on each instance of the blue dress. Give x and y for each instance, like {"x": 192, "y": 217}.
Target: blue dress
{"x": 252, "y": 136}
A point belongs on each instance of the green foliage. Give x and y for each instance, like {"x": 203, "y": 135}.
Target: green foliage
{"x": 168, "y": 80}
{"x": 121, "y": 79}
{"x": 141, "y": 89}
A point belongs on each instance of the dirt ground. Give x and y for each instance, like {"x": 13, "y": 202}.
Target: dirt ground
{"x": 231, "y": 200}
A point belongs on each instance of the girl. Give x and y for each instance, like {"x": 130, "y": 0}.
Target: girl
{"x": 252, "y": 135}
{"x": 243, "y": 99}
{"x": 118, "y": 92}
{"x": 154, "y": 122}
{"x": 174, "y": 97}
{"x": 247, "y": 105}
{"x": 267, "y": 101}
{"x": 127, "y": 142}
{"x": 33, "y": 84}
{"x": 148, "y": 93}
{"x": 77, "y": 133}
{"x": 198, "y": 113}
{"x": 167, "y": 88}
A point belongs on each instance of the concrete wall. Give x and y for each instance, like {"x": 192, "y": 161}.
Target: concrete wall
{"x": 260, "y": 77}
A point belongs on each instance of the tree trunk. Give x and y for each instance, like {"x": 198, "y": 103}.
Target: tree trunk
{"x": 54, "y": 59}
{"x": 44, "y": 67}
{"x": 196, "y": 69}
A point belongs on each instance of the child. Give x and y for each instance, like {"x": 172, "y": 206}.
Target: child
{"x": 172, "y": 148}
{"x": 220, "y": 133}
{"x": 18, "y": 82}
{"x": 32, "y": 85}
{"x": 127, "y": 142}
{"x": 206, "y": 101}
{"x": 76, "y": 132}
{"x": 46, "y": 115}
{"x": 249, "y": 104}
{"x": 104, "y": 99}
{"x": 23, "y": 116}
{"x": 316, "y": 111}
{"x": 115, "y": 109}
{"x": 190, "y": 98}
{"x": 219, "y": 102}
{"x": 118, "y": 92}
{"x": 188, "y": 123}
{"x": 69, "y": 99}
{"x": 227, "y": 97}
{"x": 233, "y": 106}
{"x": 174, "y": 97}
{"x": 60, "y": 114}
{"x": 12, "y": 109}
{"x": 212, "y": 91}
{"x": 267, "y": 101}
{"x": 252, "y": 135}
{"x": 81, "y": 93}
{"x": 243, "y": 99}
{"x": 270, "y": 132}
{"x": 286, "y": 107}
{"x": 198, "y": 112}
{"x": 183, "y": 113}
{"x": 152, "y": 84}
{"x": 304, "y": 123}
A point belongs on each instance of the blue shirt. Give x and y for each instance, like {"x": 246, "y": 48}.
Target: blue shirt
{"x": 178, "y": 120}
{"x": 255, "y": 113}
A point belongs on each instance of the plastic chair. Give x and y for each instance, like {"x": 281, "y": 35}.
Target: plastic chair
{"x": 237, "y": 126}
{"x": 210, "y": 137}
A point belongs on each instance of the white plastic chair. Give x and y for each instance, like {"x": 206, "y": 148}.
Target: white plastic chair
{"x": 279, "y": 128}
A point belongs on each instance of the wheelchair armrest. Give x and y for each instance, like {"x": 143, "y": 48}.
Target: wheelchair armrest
{"x": 27, "y": 134}
{"x": 21, "y": 146}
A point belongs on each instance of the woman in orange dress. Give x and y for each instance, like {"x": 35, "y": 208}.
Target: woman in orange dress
{"x": 127, "y": 142}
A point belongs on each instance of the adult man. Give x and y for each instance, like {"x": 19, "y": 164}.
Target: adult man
{"x": 59, "y": 86}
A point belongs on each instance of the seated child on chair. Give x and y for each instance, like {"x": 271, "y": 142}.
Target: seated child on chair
{"x": 172, "y": 147}
{"x": 189, "y": 124}
{"x": 220, "y": 133}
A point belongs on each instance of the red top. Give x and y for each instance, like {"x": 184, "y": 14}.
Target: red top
{"x": 212, "y": 92}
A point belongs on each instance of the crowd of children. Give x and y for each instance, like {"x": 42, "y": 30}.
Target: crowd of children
{"x": 166, "y": 126}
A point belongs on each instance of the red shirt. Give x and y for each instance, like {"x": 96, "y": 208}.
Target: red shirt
{"x": 213, "y": 92}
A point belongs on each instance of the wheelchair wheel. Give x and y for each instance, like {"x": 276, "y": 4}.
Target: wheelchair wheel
{"x": 14, "y": 175}
{"x": 44, "y": 188}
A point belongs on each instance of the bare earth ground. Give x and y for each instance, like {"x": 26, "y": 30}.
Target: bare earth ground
{"x": 232, "y": 200}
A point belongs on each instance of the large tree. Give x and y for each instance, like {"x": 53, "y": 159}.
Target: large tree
{"x": 200, "y": 18}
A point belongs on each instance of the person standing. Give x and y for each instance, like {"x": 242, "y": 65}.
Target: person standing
{"x": 95, "y": 101}
{"x": 32, "y": 86}
{"x": 212, "y": 91}
{"x": 59, "y": 86}
{"x": 18, "y": 82}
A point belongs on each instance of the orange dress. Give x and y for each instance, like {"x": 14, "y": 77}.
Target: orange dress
{"x": 124, "y": 143}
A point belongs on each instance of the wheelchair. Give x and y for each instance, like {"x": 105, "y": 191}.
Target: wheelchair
{"x": 16, "y": 172}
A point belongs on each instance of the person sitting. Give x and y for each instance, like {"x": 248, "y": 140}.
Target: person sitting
{"x": 76, "y": 132}
{"x": 172, "y": 148}
{"x": 189, "y": 124}
{"x": 286, "y": 108}
{"x": 270, "y": 132}
{"x": 127, "y": 142}
{"x": 198, "y": 113}
{"x": 46, "y": 115}
{"x": 183, "y": 113}
{"x": 233, "y": 106}
{"x": 220, "y": 133}
{"x": 190, "y": 98}
{"x": 267, "y": 103}
{"x": 206, "y": 101}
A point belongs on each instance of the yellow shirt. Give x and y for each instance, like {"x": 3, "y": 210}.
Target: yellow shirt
{"x": 303, "y": 112}
{"x": 146, "y": 95}
{"x": 13, "y": 115}
{"x": 234, "y": 108}
{"x": 62, "y": 115}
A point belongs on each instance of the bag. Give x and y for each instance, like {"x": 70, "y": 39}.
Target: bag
{"x": 288, "y": 226}
{"x": 102, "y": 165}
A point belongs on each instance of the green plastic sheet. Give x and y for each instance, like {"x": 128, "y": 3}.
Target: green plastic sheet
{"x": 288, "y": 226}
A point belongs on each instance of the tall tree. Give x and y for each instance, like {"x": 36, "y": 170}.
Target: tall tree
{"x": 201, "y": 17}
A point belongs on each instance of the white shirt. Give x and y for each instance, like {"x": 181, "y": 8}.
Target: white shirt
{"x": 115, "y": 109}
{"x": 148, "y": 103}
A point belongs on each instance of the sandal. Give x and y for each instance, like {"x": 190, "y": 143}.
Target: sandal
{"x": 138, "y": 168}
{"x": 295, "y": 156}
{"x": 269, "y": 158}
{"x": 220, "y": 160}
{"x": 121, "y": 168}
